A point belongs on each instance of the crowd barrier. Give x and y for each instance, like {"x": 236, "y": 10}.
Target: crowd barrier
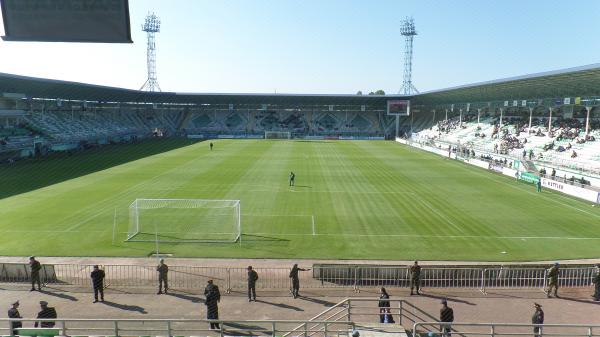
{"x": 321, "y": 276}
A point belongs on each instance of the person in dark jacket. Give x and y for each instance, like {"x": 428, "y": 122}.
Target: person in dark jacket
{"x": 163, "y": 271}
{"x": 35, "y": 273}
{"x": 13, "y": 313}
{"x": 213, "y": 297}
{"x": 252, "y": 278}
{"x": 384, "y": 307}
{"x": 446, "y": 316}
{"x": 97, "y": 276}
{"x": 47, "y": 312}
{"x": 553, "y": 274}
{"x": 537, "y": 318}
{"x": 296, "y": 280}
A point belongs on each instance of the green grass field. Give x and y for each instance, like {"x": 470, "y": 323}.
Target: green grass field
{"x": 367, "y": 199}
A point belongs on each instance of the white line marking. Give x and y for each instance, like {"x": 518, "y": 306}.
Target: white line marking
{"x": 313, "y": 224}
{"x": 435, "y": 236}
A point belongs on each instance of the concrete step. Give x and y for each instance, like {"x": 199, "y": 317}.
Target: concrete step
{"x": 380, "y": 330}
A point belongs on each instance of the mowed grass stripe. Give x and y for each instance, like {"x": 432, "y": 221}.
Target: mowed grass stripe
{"x": 376, "y": 200}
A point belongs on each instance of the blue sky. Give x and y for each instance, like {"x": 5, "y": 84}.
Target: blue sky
{"x": 330, "y": 46}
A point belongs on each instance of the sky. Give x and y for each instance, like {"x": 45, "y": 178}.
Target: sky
{"x": 325, "y": 46}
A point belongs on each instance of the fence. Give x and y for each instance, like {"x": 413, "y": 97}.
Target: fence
{"x": 504, "y": 329}
{"x": 187, "y": 327}
{"x": 322, "y": 276}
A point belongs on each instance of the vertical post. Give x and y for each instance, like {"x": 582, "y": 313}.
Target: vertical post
{"x": 483, "y": 280}
{"x": 64, "y": 328}
{"x": 116, "y": 328}
{"x": 530, "y": 118}
{"x": 305, "y": 329}
{"x": 221, "y": 332}
{"x": 587, "y": 120}
{"x": 169, "y": 333}
{"x": 325, "y": 329}
{"x": 501, "y": 114}
{"x": 272, "y": 329}
{"x": 349, "y": 310}
{"x": 550, "y": 123}
{"x": 493, "y": 331}
{"x": 433, "y": 116}
{"x": 446, "y": 115}
{"x": 478, "y": 116}
{"x": 397, "y": 125}
{"x": 460, "y": 118}
{"x": 400, "y": 311}
{"x": 356, "y": 279}
{"x": 228, "y": 280}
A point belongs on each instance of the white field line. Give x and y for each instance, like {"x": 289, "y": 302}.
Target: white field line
{"x": 313, "y": 224}
{"x": 491, "y": 177}
{"x": 440, "y": 214}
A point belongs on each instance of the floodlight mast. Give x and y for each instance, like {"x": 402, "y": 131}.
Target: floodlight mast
{"x": 407, "y": 29}
{"x": 151, "y": 26}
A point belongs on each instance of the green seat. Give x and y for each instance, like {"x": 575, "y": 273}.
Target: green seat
{"x": 46, "y": 332}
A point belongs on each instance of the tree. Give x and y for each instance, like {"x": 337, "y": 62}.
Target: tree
{"x": 359, "y": 93}
{"x": 379, "y": 92}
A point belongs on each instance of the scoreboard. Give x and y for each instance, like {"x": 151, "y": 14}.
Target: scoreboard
{"x": 398, "y": 107}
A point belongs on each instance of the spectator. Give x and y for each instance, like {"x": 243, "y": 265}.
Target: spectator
{"x": 213, "y": 297}
{"x": 163, "y": 271}
{"x": 47, "y": 312}
{"x": 538, "y": 318}
{"x": 13, "y": 313}
{"x": 97, "y": 276}
{"x": 384, "y": 307}
{"x": 35, "y": 273}
{"x": 252, "y": 278}
{"x": 446, "y": 316}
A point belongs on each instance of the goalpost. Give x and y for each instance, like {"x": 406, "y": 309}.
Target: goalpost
{"x": 184, "y": 220}
{"x": 278, "y": 135}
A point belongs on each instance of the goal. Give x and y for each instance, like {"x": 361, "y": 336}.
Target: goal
{"x": 278, "y": 135}
{"x": 184, "y": 220}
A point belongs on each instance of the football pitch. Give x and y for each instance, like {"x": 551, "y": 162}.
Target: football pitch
{"x": 352, "y": 200}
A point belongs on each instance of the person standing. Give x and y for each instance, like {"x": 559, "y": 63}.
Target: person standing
{"x": 47, "y": 312}
{"x": 415, "y": 278}
{"x": 97, "y": 276}
{"x": 35, "y": 273}
{"x": 538, "y": 184}
{"x": 446, "y": 316}
{"x": 292, "y": 178}
{"x": 211, "y": 146}
{"x": 537, "y": 318}
{"x": 13, "y": 313}
{"x": 163, "y": 271}
{"x": 553, "y": 274}
{"x": 596, "y": 281}
{"x": 296, "y": 279}
{"x": 252, "y": 278}
{"x": 213, "y": 297}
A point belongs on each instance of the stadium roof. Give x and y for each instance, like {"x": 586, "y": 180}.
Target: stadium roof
{"x": 52, "y": 89}
{"x": 570, "y": 82}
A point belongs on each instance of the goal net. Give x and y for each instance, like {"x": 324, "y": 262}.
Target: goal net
{"x": 184, "y": 220}
{"x": 278, "y": 135}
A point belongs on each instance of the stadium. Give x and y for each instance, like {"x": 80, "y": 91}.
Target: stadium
{"x": 487, "y": 183}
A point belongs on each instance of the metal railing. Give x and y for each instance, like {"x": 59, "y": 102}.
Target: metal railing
{"x": 188, "y": 327}
{"x": 355, "y": 277}
{"x": 504, "y": 329}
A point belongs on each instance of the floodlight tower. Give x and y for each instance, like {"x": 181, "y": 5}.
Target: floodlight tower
{"x": 151, "y": 26}
{"x": 407, "y": 29}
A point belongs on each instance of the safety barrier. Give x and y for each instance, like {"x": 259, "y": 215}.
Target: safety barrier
{"x": 504, "y": 329}
{"x": 187, "y": 327}
{"x": 322, "y": 276}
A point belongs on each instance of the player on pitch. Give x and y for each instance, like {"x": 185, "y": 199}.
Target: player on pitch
{"x": 292, "y": 178}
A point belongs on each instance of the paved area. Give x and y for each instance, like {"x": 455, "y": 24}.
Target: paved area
{"x": 575, "y": 306}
